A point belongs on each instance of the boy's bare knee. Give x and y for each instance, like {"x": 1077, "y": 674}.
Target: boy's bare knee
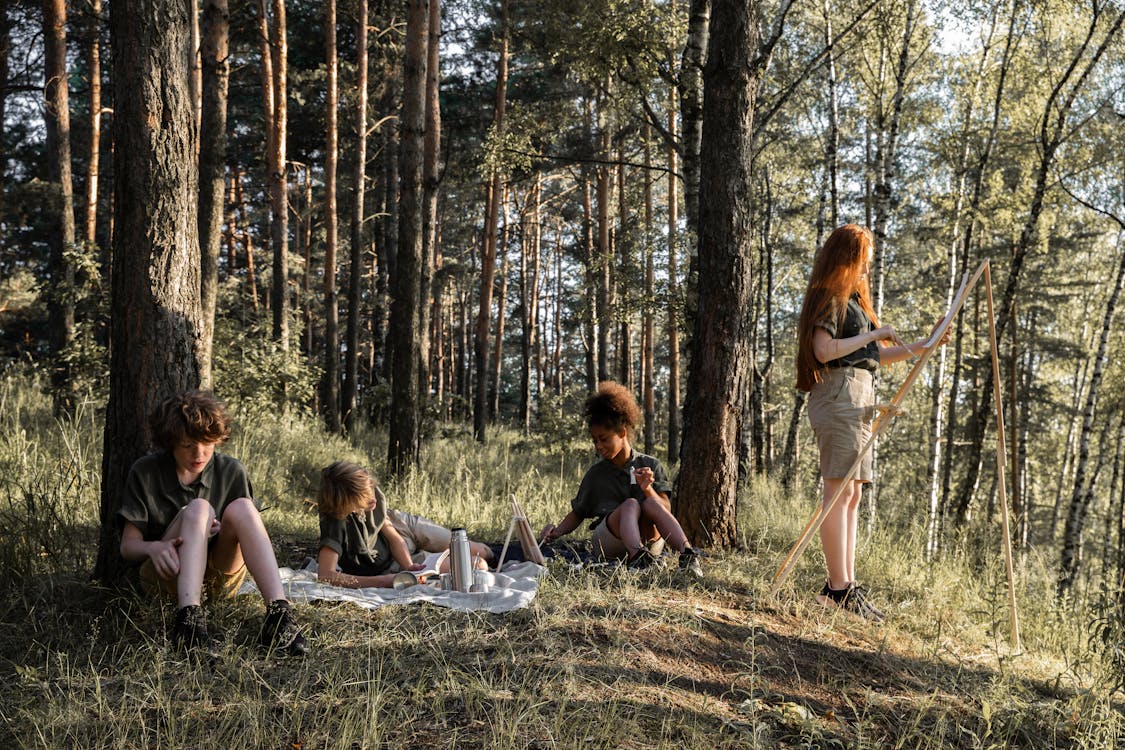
{"x": 198, "y": 511}
{"x": 240, "y": 510}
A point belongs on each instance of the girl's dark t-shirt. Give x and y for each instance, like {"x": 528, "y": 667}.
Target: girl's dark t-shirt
{"x": 606, "y": 486}
{"x": 852, "y": 322}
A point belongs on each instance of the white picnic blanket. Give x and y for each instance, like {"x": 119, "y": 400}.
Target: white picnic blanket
{"x": 514, "y": 588}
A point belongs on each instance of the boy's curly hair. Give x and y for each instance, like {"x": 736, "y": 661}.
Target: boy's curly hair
{"x": 195, "y": 415}
{"x": 344, "y": 488}
{"x": 612, "y": 406}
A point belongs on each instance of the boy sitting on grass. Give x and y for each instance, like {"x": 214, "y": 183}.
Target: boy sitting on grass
{"x": 189, "y": 517}
{"x": 359, "y": 548}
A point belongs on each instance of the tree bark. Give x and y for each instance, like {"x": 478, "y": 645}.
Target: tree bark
{"x": 56, "y": 113}
{"x": 94, "y": 73}
{"x": 278, "y": 177}
{"x": 212, "y": 166}
{"x": 330, "y": 379}
{"x": 691, "y": 105}
{"x": 5, "y": 54}
{"x": 605, "y": 255}
{"x": 626, "y": 274}
{"x": 673, "y": 305}
{"x": 497, "y": 360}
{"x": 590, "y": 310}
{"x": 405, "y": 428}
{"x": 488, "y": 252}
{"x": 431, "y": 177}
{"x": 358, "y": 246}
{"x": 156, "y": 328}
{"x": 648, "y": 323}
{"x": 720, "y": 356}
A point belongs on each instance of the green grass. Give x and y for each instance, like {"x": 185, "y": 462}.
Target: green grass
{"x": 598, "y": 661}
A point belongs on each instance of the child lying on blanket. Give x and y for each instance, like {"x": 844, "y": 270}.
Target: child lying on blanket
{"x": 358, "y": 547}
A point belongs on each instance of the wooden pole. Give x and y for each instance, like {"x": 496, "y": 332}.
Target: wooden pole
{"x": 1001, "y": 462}
{"x": 883, "y": 421}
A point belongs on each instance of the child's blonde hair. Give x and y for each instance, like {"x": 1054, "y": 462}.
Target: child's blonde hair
{"x": 344, "y": 488}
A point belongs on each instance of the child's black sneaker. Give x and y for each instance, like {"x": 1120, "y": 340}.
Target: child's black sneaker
{"x": 852, "y": 598}
{"x": 280, "y": 631}
{"x": 640, "y": 560}
{"x": 689, "y": 562}
{"x": 189, "y": 632}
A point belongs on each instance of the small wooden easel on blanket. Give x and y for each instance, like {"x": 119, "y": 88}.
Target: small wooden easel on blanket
{"x": 521, "y": 526}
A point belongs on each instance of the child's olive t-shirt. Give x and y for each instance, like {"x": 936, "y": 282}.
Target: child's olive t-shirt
{"x": 356, "y": 539}
{"x": 154, "y": 493}
{"x": 852, "y": 321}
{"x": 606, "y": 486}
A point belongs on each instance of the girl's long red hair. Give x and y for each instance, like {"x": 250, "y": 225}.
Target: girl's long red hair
{"x": 837, "y": 273}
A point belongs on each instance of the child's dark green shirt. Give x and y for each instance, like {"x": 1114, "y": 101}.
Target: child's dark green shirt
{"x": 606, "y": 486}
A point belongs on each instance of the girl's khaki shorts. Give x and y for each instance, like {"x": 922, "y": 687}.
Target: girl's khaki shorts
{"x": 841, "y": 409}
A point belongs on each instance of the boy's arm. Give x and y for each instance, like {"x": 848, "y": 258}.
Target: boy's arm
{"x": 326, "y": 573}
{"x": 163, "y": 553}
{"x": 399, "y": 553}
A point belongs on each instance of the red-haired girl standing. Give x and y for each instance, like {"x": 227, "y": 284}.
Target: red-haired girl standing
{"x": 840, "y": 345}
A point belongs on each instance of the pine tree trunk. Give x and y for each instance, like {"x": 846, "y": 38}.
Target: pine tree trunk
{"x": 720, "y": 357}
{"x": 278, "y": 178}
{"x": 56, "y": 114}
{"x": 625, "y": 276}
{"x": 212, "y": 166}
{"x": 5, "y": 54}
{"x": 330, "y": 378}
{"x": 94, "y": 75}
{"x": 358, "y": 246}
{"x": 405, "y": 428}
{"x": 430, "y": 184}
{"x": 604, "y": 256}
{"x": 497, "y": 360}
{"x": 247, "y": 242}
{"x": 673, "y": 295}
{"x": 590, "y": 310}
{"x": 155, "y": 338}
{"x": 488, "y": 252}
{"x": 648, "y": 324}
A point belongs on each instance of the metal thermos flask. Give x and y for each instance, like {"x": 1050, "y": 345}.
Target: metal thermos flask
{"x": 460, "y": 563}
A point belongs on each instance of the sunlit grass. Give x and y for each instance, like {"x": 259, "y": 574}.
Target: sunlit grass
{"x": 600, "y": 659}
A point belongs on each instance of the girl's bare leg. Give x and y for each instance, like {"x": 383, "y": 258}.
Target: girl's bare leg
{"x": 624, "y": 522}
{"x": 834, "y": 534}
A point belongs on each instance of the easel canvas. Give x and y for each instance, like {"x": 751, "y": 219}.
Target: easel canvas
{"x": 522, "y": 528}
{"x": 886, "y": 416}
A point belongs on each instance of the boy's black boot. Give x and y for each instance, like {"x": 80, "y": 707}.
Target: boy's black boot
{"x": 689, "y": 562}
{"x": 190, "y": 629}
{"x": 280, "y": 631}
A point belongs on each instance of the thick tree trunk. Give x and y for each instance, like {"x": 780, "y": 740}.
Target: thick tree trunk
{"x": 720, "y": 357}
{"x": 330, "y": 378}
{"x": 212, "y": 166}
{"x": 56, "y": 113}
{"x": 358, "y": 246}
{"x": 405, "y": 428}
{"x": 157, "y": 322}
{"x": 488, "y": 251}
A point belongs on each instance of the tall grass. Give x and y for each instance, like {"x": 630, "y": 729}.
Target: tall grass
{"x": 602, "y": 658}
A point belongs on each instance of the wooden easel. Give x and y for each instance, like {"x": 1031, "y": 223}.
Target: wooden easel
{"x": 888, "y": 412}
{"x": 522, "y": 527}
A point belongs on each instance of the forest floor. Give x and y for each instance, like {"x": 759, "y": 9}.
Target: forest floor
{"x": 602, "y": 658}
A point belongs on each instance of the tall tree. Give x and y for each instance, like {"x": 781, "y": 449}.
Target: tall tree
{"x": 275, "y": 63}
{"x": 214, "y": 56}
{"x": 488, "y": 246}
{"x": 60, "y": 302}
{"x": 351, "y": 357}
{"x": 330, "y": 379}
{"x": 156, "y": 328}
{"x": 431, "y": 177}
{"x": 673, "y": 294}
{"x": 406, "y": 409}
{"x": 720, "y": 352}
{"x": 1055, "y": 127}
{"x": 94, "y": 73}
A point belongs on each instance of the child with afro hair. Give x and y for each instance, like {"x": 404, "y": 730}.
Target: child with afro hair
{"x": 625, "y": 492}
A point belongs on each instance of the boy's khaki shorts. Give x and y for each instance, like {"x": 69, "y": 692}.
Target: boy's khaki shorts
{"x": 609, "y": 547}
{"x": 216, "y": 583}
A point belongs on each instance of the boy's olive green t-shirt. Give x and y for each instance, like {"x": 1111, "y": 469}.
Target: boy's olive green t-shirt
{"x": 606, "y": 486}
{"x": 154, "y": 493}
{"x": 356, "y": 539}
